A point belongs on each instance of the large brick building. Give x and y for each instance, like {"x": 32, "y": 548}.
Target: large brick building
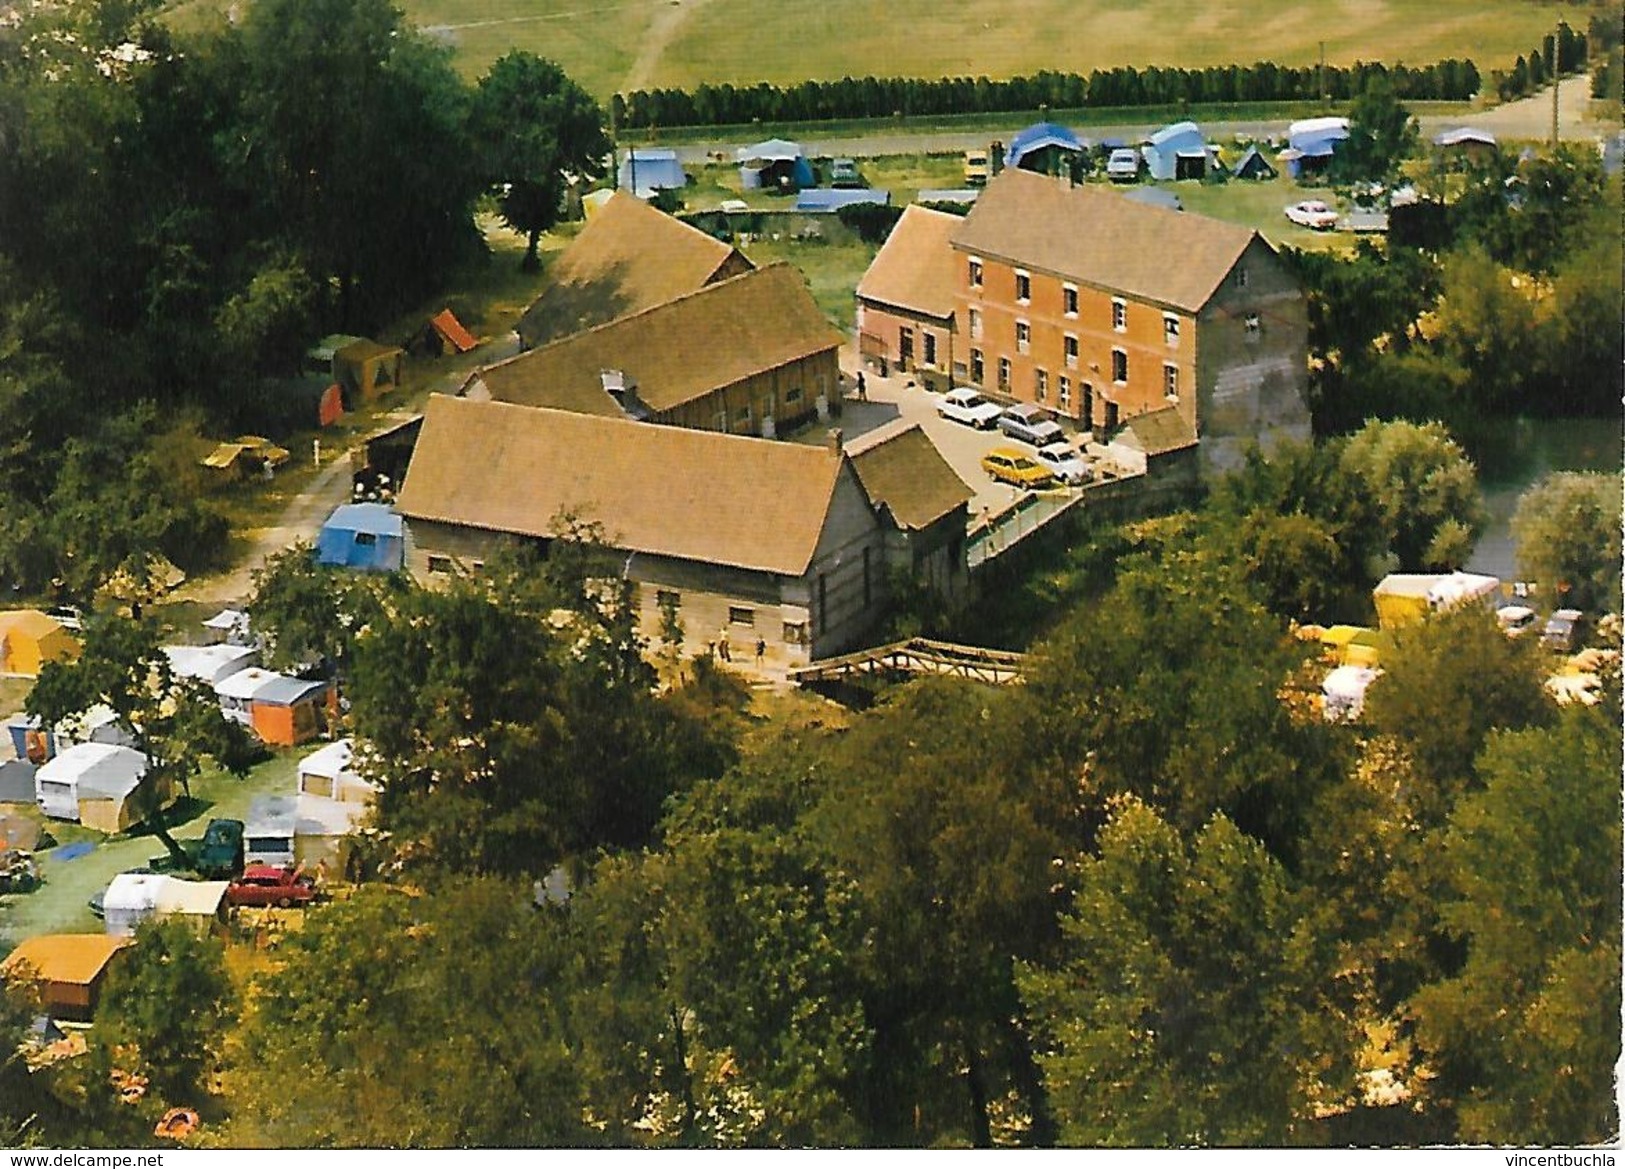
{"x": 1102, "y": 310}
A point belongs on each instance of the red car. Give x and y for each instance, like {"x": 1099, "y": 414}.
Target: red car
{"x": 268, "y": 885}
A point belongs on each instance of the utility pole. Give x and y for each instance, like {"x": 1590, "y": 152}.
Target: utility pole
{"x": 1323, "y": 75}
{"x": 1557, "y": 77}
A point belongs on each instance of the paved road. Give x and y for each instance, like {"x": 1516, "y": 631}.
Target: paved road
{"x": 1528, "y": 118}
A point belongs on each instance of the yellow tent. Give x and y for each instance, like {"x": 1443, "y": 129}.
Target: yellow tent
{"x": 29, "y": 639}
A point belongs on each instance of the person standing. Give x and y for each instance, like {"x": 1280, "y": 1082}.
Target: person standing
{"x": 863, "y": 388}
{"x": 761, "y": 650}
{"x": 723, "y": 650}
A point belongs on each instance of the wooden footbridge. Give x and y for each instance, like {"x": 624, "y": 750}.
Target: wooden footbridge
{"x": 918, "y": 655}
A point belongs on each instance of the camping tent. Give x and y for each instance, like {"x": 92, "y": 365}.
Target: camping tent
{"x": 228, "y": 627}
{"x": 1253, "y": 165}
{"x": 29, "y": 639}
{"x": 362, "y": 535}
{"x": 1176, "y": 152}
{"x": 1343, "y": 692}
{"x": 1042, "y": 147}
{"x": 774, "y": 165}
{"x": 364, "y": 369}
{"x": 648, "y": 171}
{"x": 444, "y": 333}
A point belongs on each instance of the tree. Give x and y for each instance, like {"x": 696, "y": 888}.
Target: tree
{"x": 1528, "y": 1031}
{"x": 534, "y": 125}
{"x": 1382, "y": 133}
{"x": 1567, "y": 529}
{"x": 392, "y": 1000}
{"x": 265, "y": 327}
{"x": 172, "y": 999}
{"x": 1184, "y": 1007}
{"x": 1447, "y": 683}
{"x": 1424, "y": 490}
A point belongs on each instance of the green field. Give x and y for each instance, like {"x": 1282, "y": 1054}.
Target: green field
{"x": 611, "y": 45}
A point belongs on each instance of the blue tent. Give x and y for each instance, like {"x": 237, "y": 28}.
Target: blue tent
{"x": 645, "y": 172}
{"x": 1176, "y": 152}
{"x": 362, "y": 535}
{"x": 1035, "y": 139}
{"x": 1311, "y": 144}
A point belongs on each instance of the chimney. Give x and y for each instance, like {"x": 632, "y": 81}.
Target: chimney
{"x": 835, "y": 447}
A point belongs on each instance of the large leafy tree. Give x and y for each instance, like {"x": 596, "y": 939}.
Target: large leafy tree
{"x": 171, "y": 998}
{"x": 1424, "y": 490}
{"x": 445, "y": 1014}
{"x": 1567, "y": 529}
{"x": 1527, "y": 1033}
{"x": 1382, "y": 134}
{"x": 1184, "y": 1008}
{"x": 534, "y": 126}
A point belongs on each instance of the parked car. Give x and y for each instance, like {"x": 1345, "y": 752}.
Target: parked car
{"x": 1063, "y": 462}
{"x": 1029, "y": 423}
{"x": 220, "y": 854}
{"x": 67, "y": 616}
{"x": 1008, "y": 465}
{"x": 965, "y": 405}
{"x": 843, "y": 172}
{"x": 1312, "y": 213}
{"x": 267, "y": 885}
{"x": 1123, "y": 165}
{"x": 1565, "y": 631}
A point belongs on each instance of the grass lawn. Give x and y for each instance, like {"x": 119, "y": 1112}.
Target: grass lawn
{"x": 635, "y": 44}
{"x": 59, "y": 905}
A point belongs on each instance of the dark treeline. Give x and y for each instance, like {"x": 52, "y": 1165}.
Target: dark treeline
{"x": 872, "y": 97}
{"x": 1560, "y": 52}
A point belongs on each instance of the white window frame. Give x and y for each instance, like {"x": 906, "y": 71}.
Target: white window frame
{"x": 1063, "y": 393}
{"x": 1170, "y": 381}
{"x": 1170, "y": 330}
{"x": 1119, "y": 315}
{"x": 1070, "y": 350}
{"x": 1024, "y": 279}
{"x": 1119, "y": 360}
{"x": 1024, "y": 337}
{"x": 1004, "y": 374}
{"x": 1069, "y": 294}
{"x": 1040, "y": 385}
{"x": 1253, "y": 326}
{"x": 975, "y": 321}
{"x": 973, "y": 270}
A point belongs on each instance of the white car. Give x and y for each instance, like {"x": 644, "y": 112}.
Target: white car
{"x": 965, "y": 405}
{"x": 1063, "y": 462}
{"x": 1312, "y": 213}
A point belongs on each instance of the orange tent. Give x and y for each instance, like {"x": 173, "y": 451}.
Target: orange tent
{"x": 29, "y": 639}
{"x": 451, "y": 331}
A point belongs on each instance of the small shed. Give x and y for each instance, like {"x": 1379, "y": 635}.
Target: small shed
{"x": 368, "y": 536}
{"x": 69, "y": 969}
{"x": 210, "y": 664}
{"x": 648, "y": 171}
{"x": 775, "y": 165}
{"x": 1047, "y": 148}
{"x": 827, "y": 201}
{"x": 1177, "y": 151}
{"x": 269, "y": 830}
{"x": 102, "y": 785}
{"x": 29, "y": 639}
{"x": 1253, "y": 165}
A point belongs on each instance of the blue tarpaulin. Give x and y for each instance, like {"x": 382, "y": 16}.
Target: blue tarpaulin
{"x": 362, "y": 535}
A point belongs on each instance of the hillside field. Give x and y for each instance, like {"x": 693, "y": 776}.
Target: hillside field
{"x": 622, "y": 45}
